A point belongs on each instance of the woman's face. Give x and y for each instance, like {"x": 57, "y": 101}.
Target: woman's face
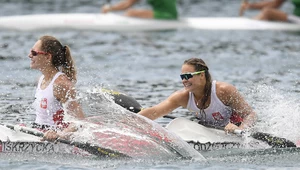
{"x": 39, "y": 58}
{"x": 192, "y": 82}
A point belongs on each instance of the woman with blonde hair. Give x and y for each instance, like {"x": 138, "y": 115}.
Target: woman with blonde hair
{"x": 56, "y": 85}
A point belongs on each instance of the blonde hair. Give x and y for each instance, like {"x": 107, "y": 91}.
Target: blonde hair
{"x": 61, "y": 56}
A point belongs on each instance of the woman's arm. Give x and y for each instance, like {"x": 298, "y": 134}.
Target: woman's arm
{"x": 260, "y": 5}
{"x": 65, "y": 92}
{"x": 52, "y": 135}
{"x": 171, "y": 103}
{"x": 242, "y": 108}
{"x": 231, "y": 97}
{"x": 264, "y": 4}
{"x": 125, "y": 4}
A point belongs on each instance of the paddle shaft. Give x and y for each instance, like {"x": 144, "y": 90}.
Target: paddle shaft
{"x": 265, "y": 137}
{"x": 95, "y": 150}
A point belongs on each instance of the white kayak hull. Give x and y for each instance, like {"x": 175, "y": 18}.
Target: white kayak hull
{"x": 192, "y": 131}
{"x": 7, "y": 134}
{"x": 39, "y": 148}
{"x": 115, "y": 22}
{"x": 12, "y": 141}
{"x": 104, "y": 140}
{"x": 202, "y": 138}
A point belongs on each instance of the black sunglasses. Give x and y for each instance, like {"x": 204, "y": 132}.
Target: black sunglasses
{"x": 190, "y": 75}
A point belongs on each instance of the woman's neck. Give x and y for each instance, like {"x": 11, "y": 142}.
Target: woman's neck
{"x": 49, "y": 74}
{"x": 198, "y": 93}
{"x": 198, "y": 96}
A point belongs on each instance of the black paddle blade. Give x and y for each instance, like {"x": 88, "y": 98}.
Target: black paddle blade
{"x": 275, "y": 142}
{"x": 127, "y": 102}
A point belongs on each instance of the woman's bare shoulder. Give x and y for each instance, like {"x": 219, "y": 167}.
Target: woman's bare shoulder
{"x": 224, "y": 87}
{"x": 180, "y": 97}
{"x": 226, "y": 92}
{"x": 64, "y": 82}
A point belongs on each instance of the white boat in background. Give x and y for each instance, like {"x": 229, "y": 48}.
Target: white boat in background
{"x": 115, "y": 22}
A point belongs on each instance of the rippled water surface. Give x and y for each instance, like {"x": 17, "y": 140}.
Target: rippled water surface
{"x": 263, "y": 65}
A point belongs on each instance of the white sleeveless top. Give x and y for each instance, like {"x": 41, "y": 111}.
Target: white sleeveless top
{"x": 217, "y": 114}
{"x": 48, "y": 108}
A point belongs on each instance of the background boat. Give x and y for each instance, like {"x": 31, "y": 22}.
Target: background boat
{"x": 115, "y": 22}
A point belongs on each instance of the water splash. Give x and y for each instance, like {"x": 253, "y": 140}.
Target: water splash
{"x": 111, "y": 126}
{"x": 278, "y": 111}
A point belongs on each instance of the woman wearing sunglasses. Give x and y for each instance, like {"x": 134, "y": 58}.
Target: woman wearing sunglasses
{"x": 56, "y": 85}
{"x": 215, "y": 103}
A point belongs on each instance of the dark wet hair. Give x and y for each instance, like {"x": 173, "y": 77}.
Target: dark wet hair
{"x": 200, "y": 65}
{"x": 61, "y": 56}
